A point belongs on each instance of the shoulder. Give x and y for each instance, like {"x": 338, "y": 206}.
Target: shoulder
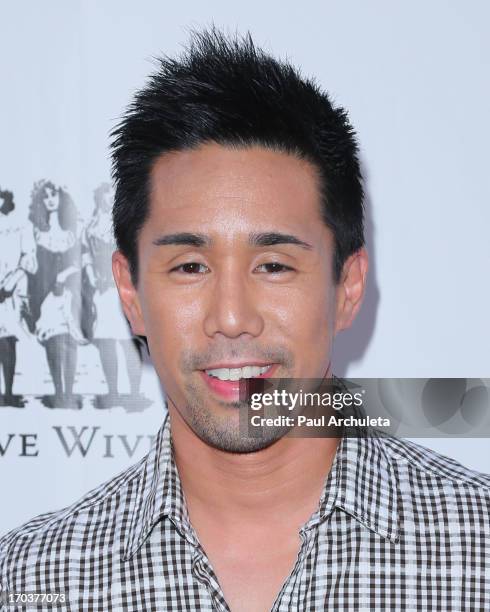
{"x": 73, "y": 528}
{"x": 426, "y": 461}
{"x": 436, "y": 484}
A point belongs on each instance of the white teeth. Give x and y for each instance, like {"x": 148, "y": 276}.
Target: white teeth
{"x": 238, "y": 373}
{"x": 221, "y": 373}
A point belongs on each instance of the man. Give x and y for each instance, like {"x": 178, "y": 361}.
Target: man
{"x": 239, "y": 224}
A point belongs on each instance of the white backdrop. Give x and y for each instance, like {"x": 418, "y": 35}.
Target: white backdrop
{"x": 414, "y": 77}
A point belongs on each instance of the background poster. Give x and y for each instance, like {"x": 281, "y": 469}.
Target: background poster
{"x": 414, "y": 78}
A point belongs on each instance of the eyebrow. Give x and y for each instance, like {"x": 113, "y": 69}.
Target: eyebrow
{"x": 272, "y": 238}
{"x": 183, "y": 238}
{"x": 263, "y": 239}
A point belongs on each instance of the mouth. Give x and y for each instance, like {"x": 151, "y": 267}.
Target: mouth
{"x": 224, "y": 381}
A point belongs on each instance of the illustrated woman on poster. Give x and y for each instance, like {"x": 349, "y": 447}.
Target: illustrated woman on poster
{"x": 13, "y": 299}
{"x": 52, "y": 245}
{"x": 103, "y": 320}
{"x": 59, "y": 332}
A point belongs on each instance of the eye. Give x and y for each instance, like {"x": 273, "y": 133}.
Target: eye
{"x": 191, "y": 268}
{"x": 274, "y": 268}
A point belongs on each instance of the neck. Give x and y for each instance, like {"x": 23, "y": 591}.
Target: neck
{"x": 283, "y": 481}
{"x": 53, "y": 220}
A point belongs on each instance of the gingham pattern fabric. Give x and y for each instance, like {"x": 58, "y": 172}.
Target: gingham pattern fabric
{"x": 398, "y": 527}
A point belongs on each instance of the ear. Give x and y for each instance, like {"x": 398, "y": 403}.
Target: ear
{"x": 127, "y": 293}
{"x": 351, "y": 288}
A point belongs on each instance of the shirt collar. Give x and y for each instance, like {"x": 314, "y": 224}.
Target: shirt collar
{"x": 362, "y": 482}
{"x": 157, "y": 494}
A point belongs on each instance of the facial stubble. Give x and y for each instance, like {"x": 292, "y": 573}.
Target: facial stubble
{"x": 224, "y": 426}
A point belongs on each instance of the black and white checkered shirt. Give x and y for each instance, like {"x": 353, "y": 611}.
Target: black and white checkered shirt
{"x": 398, "y": 527}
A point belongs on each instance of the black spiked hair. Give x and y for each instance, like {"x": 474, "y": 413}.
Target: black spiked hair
{"x": 227, "y": 91}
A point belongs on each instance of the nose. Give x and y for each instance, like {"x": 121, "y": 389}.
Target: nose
{"x": 233, "y": 308}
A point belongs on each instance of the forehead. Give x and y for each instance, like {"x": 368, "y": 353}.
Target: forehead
{"x": 214, "y": 184}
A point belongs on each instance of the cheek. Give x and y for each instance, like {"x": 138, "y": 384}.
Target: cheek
{"x": 307, "y": 323}
{"x": 305, "y": 317}
{"x": 178, "y": 317}
{"x": 171, "y": 322}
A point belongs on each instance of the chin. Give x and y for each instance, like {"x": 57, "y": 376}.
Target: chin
{"x": 231, "y": 443}
{"x": 226, "y": 433}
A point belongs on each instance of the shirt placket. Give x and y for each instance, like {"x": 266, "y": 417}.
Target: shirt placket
{"x": 204, "y": 574}
{"x": 287, "y": 598}
{"x": 292, "y": 593}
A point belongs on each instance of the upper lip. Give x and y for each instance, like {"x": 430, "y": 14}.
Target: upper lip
{"x": 240, "y": 364}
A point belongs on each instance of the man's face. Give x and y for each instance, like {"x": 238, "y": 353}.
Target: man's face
{"x": 235, "y": 270}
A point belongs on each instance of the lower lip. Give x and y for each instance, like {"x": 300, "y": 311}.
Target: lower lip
{"x": 230, "y": 389}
